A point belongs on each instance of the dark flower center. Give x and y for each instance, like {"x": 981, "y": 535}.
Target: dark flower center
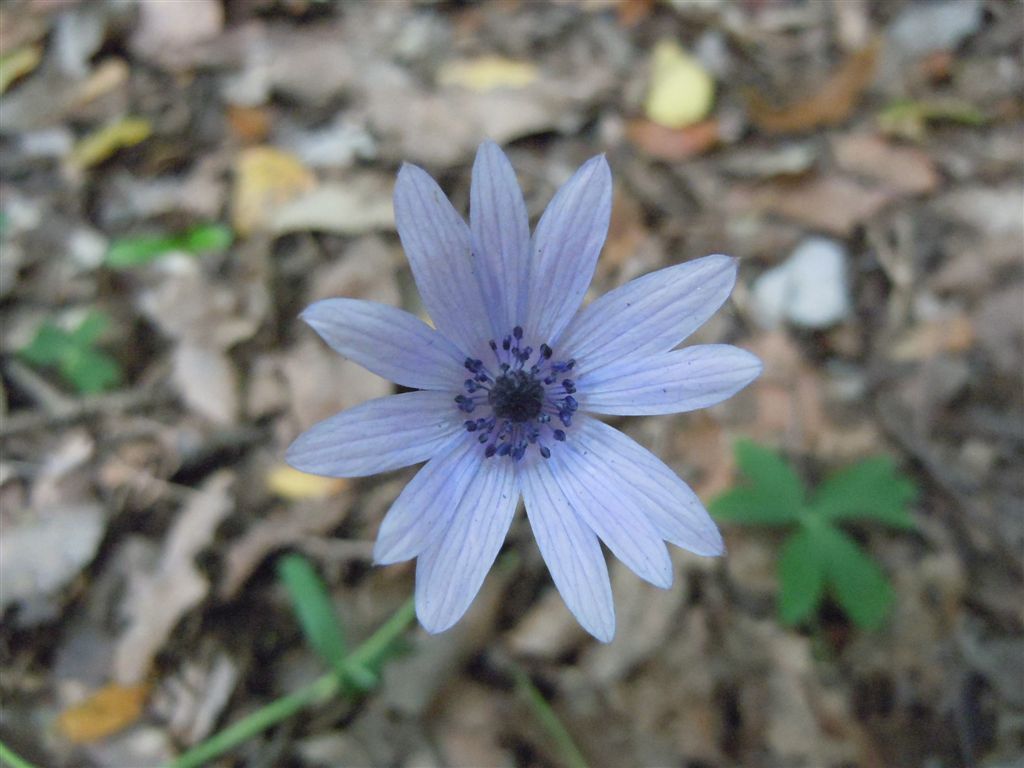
{"x": 530, "y": 398}
{"x": 516, "y": 396}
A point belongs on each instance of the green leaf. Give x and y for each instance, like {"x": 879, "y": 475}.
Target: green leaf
{"x": 90, "y": 371}
{"x": 138, "y": 251}
{"x": 801, "y": 577}
{"x": 774, "y": 494}
{"x": 857, "y": 582}
{"x": 207, "y": 237}
{"x": 749, "y": 505}
{"x": 90, "y": 329}
{"x": 314, "y": 609}
{"x": 50, "y": 345}
{"x": 871, "y": 489}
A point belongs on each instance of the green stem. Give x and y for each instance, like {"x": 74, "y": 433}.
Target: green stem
{"x": 317, "y": 692}
{"x": 546, "y": 716}
{"x": 9, "y": 757}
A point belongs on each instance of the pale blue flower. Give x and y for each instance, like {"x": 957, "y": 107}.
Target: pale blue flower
{"x": 506, "y": 387}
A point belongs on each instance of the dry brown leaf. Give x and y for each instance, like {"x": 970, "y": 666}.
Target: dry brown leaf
{"x": 948, "y": 334}
{"x": 250, "y": 125}
{"x": 157, "y": 600}
{"x": 833, "y": 204}
{"x": 207, "y": 381}
{"x": 830, "y": 105}
{"x": 281, "y": 529}
{"x": 106, "y": 712}
{"x": 674, "y": 143}
{"x": 901, "y": 168}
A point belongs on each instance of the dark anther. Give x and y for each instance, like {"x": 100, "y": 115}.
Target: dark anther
{"x": 559, "y": 435}
{"x": 518, "y": 332}
{"x": 545, "y": 351}
{"x": 545, "y": 452}
{"x": 490, "y": 450}
{"x": 516, "y": 396}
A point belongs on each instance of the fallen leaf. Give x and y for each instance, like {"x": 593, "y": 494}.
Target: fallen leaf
{"x": 487, "y": 73}
{"x": 265, "y": 179}
{"x": 207, "y": 380}
{"x": 42, "y": 550}
{"x": 289, "y": 483}
{"x": 630, "y": 13}
{"x": 156, "y": 600}
{"x": 280, "y": 529}
{"x": 833, "y": 204}
{"x": 936, "y": 26}
{"x": 948, "y": 334}
{"x": 674, "y": 143}
{"x": 18, "y": 63}
{"x": 907, "y": 170}
{"x": 360, "y": 204}
{"x": 250, "y": 125}
{"x": 168, "y": 32}
{"x": 830, "y": 105}
{"x": 101, "y": 144}
{"x": 910, "y": 119}
{"x": 681, "y": 91}
{"x": 106, "y": 712}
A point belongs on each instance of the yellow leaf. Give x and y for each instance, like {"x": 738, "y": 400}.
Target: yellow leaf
{"x": 681, "y": 92}
{"x": 265, "y": 179}
{"x": 18, "y": 63}
{"x": 107, "y": 711}
{"x": 487, "y": 73}
{"x": 101, "y": 144}
{"x": 292, "y": 484}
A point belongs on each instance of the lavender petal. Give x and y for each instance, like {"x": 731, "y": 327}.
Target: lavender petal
{"x": 651, "y": 314}
{"x": 566, "y": 245}
{"x": 450, "y": 572}
{"x": 501, "y": 236}
{"x": 387, "y": 341}
{"x": 682, "y": 380}
{"x": 377, "y": 436}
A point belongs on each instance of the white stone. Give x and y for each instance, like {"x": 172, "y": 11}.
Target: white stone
{"x": 810, "y": 289}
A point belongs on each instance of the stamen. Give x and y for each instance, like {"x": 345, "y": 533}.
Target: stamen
{"x": 520, "y": 398}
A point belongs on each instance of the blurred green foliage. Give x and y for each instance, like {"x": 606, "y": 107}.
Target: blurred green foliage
{"x": 137, "y": 251}
{"x": 88, "y": 370}
{"x": 818, "y": 556}
{"x": 322, "y": 627}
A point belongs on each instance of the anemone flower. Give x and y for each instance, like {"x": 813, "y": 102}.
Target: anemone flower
{"x": 507, "y": 384}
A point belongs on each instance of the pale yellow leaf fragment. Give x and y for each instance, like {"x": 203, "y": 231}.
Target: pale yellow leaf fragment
{"x": 106, "y": 712}
{"x": 18, "y": 63}
{"x": 487, "y": 73}
{"x": 265, "y": 179}
{"x": 681, "y": 91}
{"x": 97, "y": 146}
{"x": 289, "y": 483}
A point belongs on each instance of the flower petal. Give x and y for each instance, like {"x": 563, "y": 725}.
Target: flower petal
{"x": 437, "y": 244}
{"x": 566, "y": 244}
{"x": 673, "y": 382}
{"x": 388, "y": 341}
{"x": 424, "y": 508}
{"x": 606, "y": 503}
{"x": 377, "y": 436}
{"x": 570, "y": 549}
{"x": 651, "y": 314}
{"x": 501, "y": 236}
{"x": 668, "y": 503}
{"x": 450, "y": 571}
